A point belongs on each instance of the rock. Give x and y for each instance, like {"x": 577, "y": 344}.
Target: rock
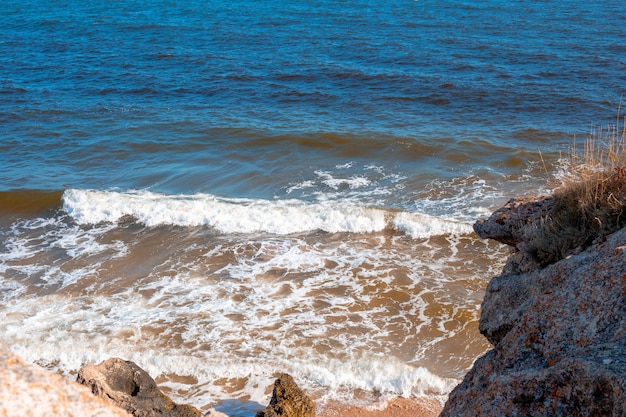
{"x": 132, "y": 389}
{"x": 29, "y": 390}
{"x": 560, "y": 340}
{"x": 288, "y": 400}
{"x": 509, "y": 224}
{"x": 517, "y": 224}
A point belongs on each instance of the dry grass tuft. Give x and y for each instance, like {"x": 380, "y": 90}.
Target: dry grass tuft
{"x": 591, "y": 202}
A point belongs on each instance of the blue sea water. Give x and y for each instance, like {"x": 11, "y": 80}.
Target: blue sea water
{"x": 318, "y": 158}
{"x": 169, "y": 94}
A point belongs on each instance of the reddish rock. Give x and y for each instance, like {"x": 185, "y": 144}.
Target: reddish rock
{"x": 29, "y": 390}
{"x": 560, "y": 340}
{"x": 509, "y": 224}
{"x": 517, "y": 224}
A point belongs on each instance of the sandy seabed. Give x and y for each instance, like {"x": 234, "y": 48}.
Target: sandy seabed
{"x": 398, "y": 407}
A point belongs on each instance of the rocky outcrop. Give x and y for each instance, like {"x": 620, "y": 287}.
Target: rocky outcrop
{"x": 509, "y": 224}
{"x": 28, "y": 390}
{"x": 517, "y": 224}
{"x": 559, "y": 331}
{"x": 131, "y": 388}
{"x": 288, "y": 400}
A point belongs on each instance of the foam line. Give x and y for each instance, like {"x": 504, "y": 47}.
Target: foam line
{"x": 229, "y": 215}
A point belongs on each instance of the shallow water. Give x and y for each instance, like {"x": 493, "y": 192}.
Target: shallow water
{"x": 224, "y": 192}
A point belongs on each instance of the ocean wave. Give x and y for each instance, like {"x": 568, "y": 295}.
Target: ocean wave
{"x": 241, "y": 215}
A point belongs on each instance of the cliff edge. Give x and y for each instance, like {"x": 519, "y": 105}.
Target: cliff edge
{"x": 558, "y": 330}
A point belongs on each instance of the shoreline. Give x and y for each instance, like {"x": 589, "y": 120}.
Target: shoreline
{"x": 39, "y": 390}
{"x": 395, "y": 407}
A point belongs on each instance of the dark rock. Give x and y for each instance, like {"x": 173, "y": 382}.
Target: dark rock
{"x": 288, "y": 400}
{"x": 132, "y": 389}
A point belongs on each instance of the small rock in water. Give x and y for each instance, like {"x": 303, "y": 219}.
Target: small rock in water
{"x": 288, "y": 400}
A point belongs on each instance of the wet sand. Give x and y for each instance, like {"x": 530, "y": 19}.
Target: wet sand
{"x": 398, "y": 407}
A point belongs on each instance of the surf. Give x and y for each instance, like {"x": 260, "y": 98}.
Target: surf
{"x": 246, "y": 215}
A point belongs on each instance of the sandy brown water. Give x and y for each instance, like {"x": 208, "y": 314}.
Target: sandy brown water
{"x": 215, "y": 317}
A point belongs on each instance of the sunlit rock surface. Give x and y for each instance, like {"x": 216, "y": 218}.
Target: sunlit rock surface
{"x": 29, "y": 390}
{"x": 559, "y": 336}
{"x": 129, "y": 387}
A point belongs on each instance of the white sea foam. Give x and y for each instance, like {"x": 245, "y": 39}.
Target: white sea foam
{"x": 78, "y": 253}
{"x": 336, "y": 183}
{"x": 383, "y": 374}
{"x": 356, "y": 312}
{"x": 279, "y": 217}
{"x": 422, "y": 226}
{"x": 10, "y": 289}
{"x": 87, "y": 330}
{"x": 350, "y": 181}
{"x": 243, "y": 308}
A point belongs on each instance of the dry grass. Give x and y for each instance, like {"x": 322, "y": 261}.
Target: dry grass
{"x": 591, "y": 202}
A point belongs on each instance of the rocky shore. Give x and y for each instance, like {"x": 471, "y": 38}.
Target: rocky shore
{"x": 119, "y": 388}
{"x": 559, "y": 331}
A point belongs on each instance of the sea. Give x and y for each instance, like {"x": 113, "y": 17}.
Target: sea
{"x": 225, "y": 191}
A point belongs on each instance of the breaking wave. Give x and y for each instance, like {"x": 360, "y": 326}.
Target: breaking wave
{"x": 242, "y": 215}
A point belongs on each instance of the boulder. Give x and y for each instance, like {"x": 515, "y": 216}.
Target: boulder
{"x": 132, "y": 389}
{"x": 559, "y": 336}
{"x": 288, "y": 400}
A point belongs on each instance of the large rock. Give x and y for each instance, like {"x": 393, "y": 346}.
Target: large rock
{"x": 132, "y": 389}
{"x": 29, "y": 390}
{"x": 560, "y": 340}
{"x": 288, "y": 400}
